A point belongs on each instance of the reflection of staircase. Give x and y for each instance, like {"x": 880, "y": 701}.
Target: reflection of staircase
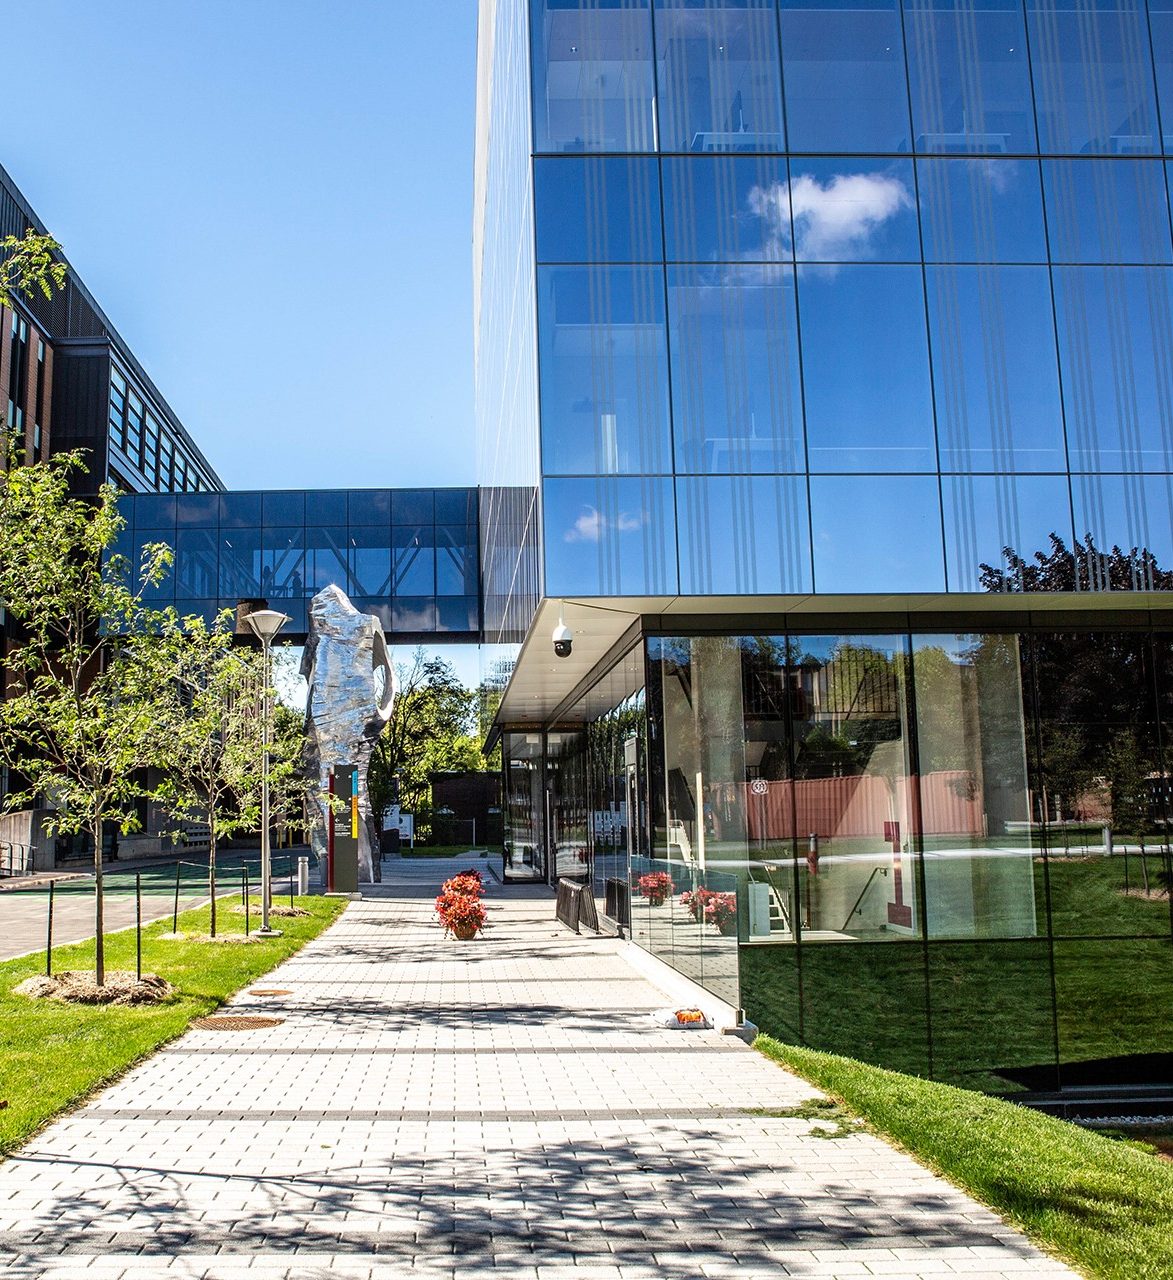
{"x": 678, "y": 835}
{"x": 769, "y": 908}
{"x": 779, "y": 912}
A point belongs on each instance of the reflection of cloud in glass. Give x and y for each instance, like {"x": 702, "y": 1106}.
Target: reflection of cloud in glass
{"x": 589, "y": 526}
{"x": 834, "y": 220}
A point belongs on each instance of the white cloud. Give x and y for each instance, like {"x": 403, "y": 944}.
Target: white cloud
{"x": 589, "y": 526}
{"x": 834, "y": 220}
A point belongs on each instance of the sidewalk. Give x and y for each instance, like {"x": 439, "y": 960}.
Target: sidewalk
{"x": 502, "y": 1107}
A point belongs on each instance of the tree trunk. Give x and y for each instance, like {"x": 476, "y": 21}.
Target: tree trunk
{"x": 99, "y": 907}
{"x": 212, "y": 872}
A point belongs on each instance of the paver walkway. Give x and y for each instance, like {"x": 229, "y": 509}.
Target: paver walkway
{"x": 501, "y": 1107}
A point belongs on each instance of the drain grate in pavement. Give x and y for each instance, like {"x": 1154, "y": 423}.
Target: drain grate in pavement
{"x": 235, "y": 1022}
{"x": 269, "y": 991}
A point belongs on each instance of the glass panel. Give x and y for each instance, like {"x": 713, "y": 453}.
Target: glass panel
{"x": 866, "y": 369}
{"x": 737, "y": 396}
{"x": 1113, "y": 1000}
{"x": 1107, "y": 211}
{"x": 726, "y": 209}
{"x": 981, "y": 211}
{"x": 867, "y": 1002}
{"x": 1125, "y": 528}
{"x": 967, "y": 62}
{"x": 593, "y": 81}
{"x": 370, "y": 560}
{"x": 196, "y": 572}
{"x": 854, "y": 210}
{"x": 1005, "y": 989}
{"x": 325, "y": 507}
{"x": 325, "y": 559}
{"x": 240, "y": 510}
{"x": 566, "y": 801}
{"x": 603, "y": 370}
{"x": 704, "y": 766}
{"x": 413, "y": 613}
{"x": 371, "y": 506}
{"x": 717, "y": 75}
{"x": 597, "y": 209}
{"x": 283, "y": 508}
{"x": 198, "y": 510}
{"x": 240, "y": 563}
{"x": 1161, "y": 23}
{"x": 156, "y": 511}
{"x": 1096, "y": 779}
{"x": 164, "y": 590}
{"x": 1116, "y": 362}
{"x": 282, "y": 562}
{"x": 997, "y": 527}
{"x": 524, "y": 806}
{"x": 748, "y": 535}
{"x": 854, "y": 797}
{"x": 996, "y": 369}
{"x": 1093, "y": 77}
{"x": 609, "y": 537}
{"x": 414, "y": 562}
{"x": 457, "y": 613}
{"x": 979, "y": 860}
{"x": 454, "y": 506}
{"x": 877, "y": 533}
{"x": 457, "y": 571}
{"x": 412, "y": 506}
{"x": 825, "y": 48}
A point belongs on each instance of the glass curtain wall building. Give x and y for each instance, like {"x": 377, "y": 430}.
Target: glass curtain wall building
{"x": 825, "y": 374}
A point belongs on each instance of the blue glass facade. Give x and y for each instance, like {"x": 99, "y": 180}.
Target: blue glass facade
{"x": 409, "y": 556}
{"x": 912, "y": 260}
{"x": 853, "y": 333}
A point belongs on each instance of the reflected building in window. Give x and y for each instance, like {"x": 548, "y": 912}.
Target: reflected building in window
{"x": 825, "y": 389}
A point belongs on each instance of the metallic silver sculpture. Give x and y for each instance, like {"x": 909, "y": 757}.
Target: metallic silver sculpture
{"x": 352, "y": 692}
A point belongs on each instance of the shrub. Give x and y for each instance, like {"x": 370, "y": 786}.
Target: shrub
{"x": 709, "y": 906}
{"x": 656, "y": 886}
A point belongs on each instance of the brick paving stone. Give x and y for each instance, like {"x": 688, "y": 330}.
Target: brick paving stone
{"x": 501, "y": 1107}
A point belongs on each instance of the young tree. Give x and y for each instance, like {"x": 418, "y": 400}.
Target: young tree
{"x": 82, "y": 669}
{"x": 28, "y": 266}
{"x": 432, "y": 728}
{"x": 210, "y": 731}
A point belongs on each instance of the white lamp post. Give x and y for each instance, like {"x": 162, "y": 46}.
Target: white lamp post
{"x": 265, "y": 624}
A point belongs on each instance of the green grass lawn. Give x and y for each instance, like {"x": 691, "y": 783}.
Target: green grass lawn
{"x": 52, "y": 1055}
{"x": 1104, "y": 1206}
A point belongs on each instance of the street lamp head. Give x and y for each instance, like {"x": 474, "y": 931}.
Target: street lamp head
{"x": 266, "y": 622}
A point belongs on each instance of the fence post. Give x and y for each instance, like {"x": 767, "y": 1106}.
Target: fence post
{"x": 244, "y": 873}
{"x": 49, "y": 935}
{"x": 175, "y": 912}
{"x": 138, "y": 926}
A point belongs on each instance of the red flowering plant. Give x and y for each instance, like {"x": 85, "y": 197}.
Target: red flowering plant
{"x": 461, "y": 914}
{"x": 708, "y": 906}
{"x": 656, "y": 886}
{"x": 467, "y": 882}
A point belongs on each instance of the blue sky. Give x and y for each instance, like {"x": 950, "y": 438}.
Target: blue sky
{"x": 272, "y": 201}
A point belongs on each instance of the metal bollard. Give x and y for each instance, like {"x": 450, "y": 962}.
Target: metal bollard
{"x": 303, "y": 874}
{"x": 49, "y": 935}
{"x": 175, "y": 912}
{"x": 138, "y": 926}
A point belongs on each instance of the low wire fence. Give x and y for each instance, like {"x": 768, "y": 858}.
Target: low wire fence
{"x": 137, "y": 897}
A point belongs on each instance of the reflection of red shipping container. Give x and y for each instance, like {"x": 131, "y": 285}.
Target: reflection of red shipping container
{"x": 862, "y": 805}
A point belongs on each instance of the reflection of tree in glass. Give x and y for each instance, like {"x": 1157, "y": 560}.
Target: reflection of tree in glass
{"x": 1086, "y": 568}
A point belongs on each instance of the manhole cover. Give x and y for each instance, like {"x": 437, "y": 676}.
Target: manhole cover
{"x": 269, "y": 991}
{"x": 235, "y": 1022}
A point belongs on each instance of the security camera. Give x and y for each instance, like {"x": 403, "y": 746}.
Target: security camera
{"x": 563, "y": 640}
